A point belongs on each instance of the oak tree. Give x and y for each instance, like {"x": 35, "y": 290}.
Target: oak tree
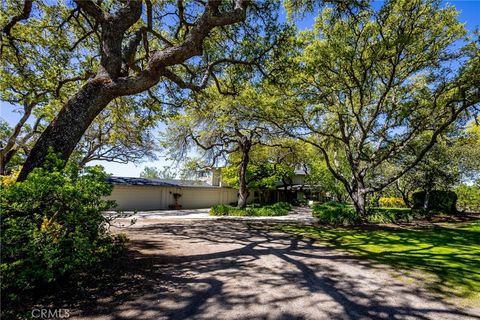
{"x": 370, "y": 84}
{"x": 217, "y": 126}
{"x": 112, "y": 49}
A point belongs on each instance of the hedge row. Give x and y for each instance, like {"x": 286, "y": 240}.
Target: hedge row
{"x": 277, "y": 209}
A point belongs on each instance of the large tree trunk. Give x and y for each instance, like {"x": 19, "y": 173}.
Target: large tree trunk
{"x": 404, "y": 192}
{"x": 3, "y": 166}
{"x": 359, "y": 198}
{"x": 113, "y": 79}
{"x": 406, "y": 199}
{"x": 286, "y": 182}
{"x": 68, "y": 127}
{"x": 4, "y": 160}
{"x": 242, "y": 176}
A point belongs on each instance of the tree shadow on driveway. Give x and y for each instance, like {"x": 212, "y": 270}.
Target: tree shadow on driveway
{"x": 233, "y": 270}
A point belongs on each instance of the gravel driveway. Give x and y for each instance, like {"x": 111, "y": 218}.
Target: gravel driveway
{"x": 210, "y": 269}
{"x": 297, "y": 214}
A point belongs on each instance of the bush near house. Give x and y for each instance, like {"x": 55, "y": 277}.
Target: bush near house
{"x": 445, "y": 201}
{"x": 277, "y": 209}
{"x": 52, "y": 226}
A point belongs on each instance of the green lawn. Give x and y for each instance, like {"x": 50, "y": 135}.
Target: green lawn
{"x": 450, "y": 252}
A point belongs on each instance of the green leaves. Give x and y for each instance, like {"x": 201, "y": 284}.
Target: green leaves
{"x": 52, "y": 225}
{"x": 373, "y": 86}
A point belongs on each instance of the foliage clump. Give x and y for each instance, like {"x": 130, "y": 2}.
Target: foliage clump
{"x": 391, "y": 202}
{"x": 335, "y": 213}
{"x": 391, "y": 215}
{"x": 445, "y": 201}
{"x": 52, "y": 226}
{"x": 277, "y": 209}
{"x": 468, "y": 197}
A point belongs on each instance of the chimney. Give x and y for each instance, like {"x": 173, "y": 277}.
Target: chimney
{"x": 216, "y": 177}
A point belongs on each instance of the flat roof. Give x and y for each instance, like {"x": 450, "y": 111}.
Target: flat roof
{"x": 131, "y": 181}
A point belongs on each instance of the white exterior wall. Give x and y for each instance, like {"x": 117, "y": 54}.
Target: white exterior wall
{"x": 131, "y": 198}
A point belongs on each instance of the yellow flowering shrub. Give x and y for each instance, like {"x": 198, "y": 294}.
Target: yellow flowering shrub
{"x": 6, "y": 181}
{"x": 391, "y": 202}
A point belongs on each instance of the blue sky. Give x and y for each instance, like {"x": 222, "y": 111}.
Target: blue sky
{"x": 469, "y": 14}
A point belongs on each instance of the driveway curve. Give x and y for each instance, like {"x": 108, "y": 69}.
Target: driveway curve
{"x": 210, "y": 269}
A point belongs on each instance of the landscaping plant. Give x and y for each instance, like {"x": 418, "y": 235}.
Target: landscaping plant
{"x": 391, "y": 202}
{"x": 52, "y": 226}
{"x": 277, "y": 209}
{"x": 335, "y": 213}
{"x": 445, "y": 201}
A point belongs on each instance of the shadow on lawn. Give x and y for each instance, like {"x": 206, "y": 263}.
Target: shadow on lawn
{"x": 153, "y": 286}
{"x": 451, "y": 255}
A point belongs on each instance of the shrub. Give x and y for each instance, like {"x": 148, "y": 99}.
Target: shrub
{"x": 265, "y": 212}
{"x": 52, "y": 226}
{"x": 389, "y": 215}
{"x": 220, "y": 210}
{"x": 240, "y": 212}
{"x": 391, "y": 202}
{"x": 6, "y": 181}
{"x": 444, "y": 201}
{"x": 281, "y": 208}
{"x": 335, "y": 213}
{"x": 277, "y": 209}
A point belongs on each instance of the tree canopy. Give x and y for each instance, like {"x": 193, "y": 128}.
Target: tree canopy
{"x": 103, "y": 51}
{"x": 218, "y": 126}
{"x": 376, "y": 85}
{"x": 379, "y": 92}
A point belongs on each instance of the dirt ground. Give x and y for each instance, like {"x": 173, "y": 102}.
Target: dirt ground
{"x": 211, "y": 269}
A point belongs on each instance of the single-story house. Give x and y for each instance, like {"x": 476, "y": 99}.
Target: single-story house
{"x": 158, "y": 194}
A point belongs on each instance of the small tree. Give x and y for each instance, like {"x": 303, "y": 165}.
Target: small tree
{"x": 454, "y": 159}
{"x": 438, "y": 170}
{"x": 269, "y": 165}
{"x": 218, "y": 125}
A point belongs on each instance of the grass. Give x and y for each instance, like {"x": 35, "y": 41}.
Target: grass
{"x": 449, "y": 253}
{"x": 277, "y": 209}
